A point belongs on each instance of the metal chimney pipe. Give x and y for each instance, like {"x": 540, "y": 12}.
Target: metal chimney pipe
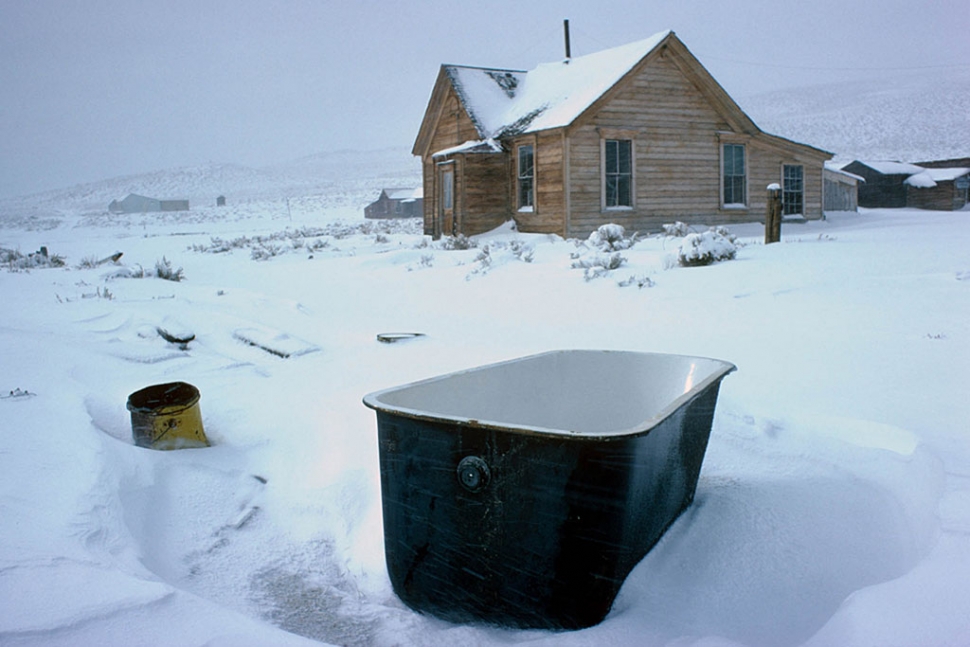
{"x": 565, "y": 26}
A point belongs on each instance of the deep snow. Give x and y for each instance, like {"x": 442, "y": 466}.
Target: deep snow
{"x": 833, "y": 507}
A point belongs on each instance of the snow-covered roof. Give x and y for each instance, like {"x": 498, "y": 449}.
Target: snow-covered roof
{"x": 404, "y": 194}
{"x": 946, "y": 174}
{"x": 836, "y": 167}
{"x": 893, "y": 168}
{"x": 472, "y": 146}
{"x": 511, "y": 102}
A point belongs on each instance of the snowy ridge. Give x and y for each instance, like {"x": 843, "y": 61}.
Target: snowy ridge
{"x": 908, "y": 118}
{"x": 358, "y": 175}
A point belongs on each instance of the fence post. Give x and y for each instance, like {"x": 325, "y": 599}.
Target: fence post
{"x": 773, "y": 215}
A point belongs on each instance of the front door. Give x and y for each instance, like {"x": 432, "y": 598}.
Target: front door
{"x": 446, "y": 201}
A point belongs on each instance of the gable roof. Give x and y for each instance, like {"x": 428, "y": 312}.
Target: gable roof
{"x": 404, "y": 194}
{"x": 510, "y": 102}
{"x": 504, "y": 103}
{"x": 891, "y": 168}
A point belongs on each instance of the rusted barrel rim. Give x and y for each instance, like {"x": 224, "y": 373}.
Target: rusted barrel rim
{"x": 163, "y": 398}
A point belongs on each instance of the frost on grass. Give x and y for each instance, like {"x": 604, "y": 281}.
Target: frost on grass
{"x": 707, "y": 247}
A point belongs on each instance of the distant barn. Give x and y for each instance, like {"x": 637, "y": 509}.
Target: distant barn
{"x": 397, "y": 203}
{"x": 884, "y": 182}
{"x": 942, "y": 189}
{"x": 897, "y": 184}
{"x": 134, "y": 203}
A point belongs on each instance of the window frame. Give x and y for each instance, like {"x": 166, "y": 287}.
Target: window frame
{"x": 741, "y": 186}
{"x": 606, "y": 173}
{"x": 786, "y": 192}
{"x": 521, "y": 179}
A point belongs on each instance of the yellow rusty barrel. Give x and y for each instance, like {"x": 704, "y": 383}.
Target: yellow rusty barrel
{"x": 167, "y": 416}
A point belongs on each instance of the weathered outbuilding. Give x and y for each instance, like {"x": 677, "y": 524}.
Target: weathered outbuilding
{"x": 942, "y": 189}
{"x": 396, "y": 203}
{"x": 640, "y": 135}
{"x": 884, "y": 185}
{"x": 134, "y": 203}
{"x": 840, "y": 189}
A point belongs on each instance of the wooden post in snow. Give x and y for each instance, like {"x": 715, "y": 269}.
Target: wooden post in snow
{"x": 773, "y": 215}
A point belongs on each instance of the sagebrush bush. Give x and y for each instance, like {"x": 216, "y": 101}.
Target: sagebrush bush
{"x": 612, "y": 237}
{"x": 163, "y": 270}
{"x": 705, "y": 248}
{"x": 676, "y": 229}
{"x": 598, "y": 265}
{"x": 15, "y": 261}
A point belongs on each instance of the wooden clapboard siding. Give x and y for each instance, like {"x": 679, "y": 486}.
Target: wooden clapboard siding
{"x": 676, "y": 150}
{"x": 547, "y": 213}
{"x": 483, "y": 200}
{"x": 451, "y": 127}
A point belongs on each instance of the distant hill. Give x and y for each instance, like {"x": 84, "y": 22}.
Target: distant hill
{"x": 907, "y": 118}
{"x": 358, "y": 176}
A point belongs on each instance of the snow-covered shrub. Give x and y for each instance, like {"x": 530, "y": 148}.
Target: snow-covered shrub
{"x": 598, "y": 265}
{"x": 705, "y": 248}
{"x": 457, "y": 243}
{"x": 611, "y": 237}
{"x": 163, "y": 270}
{"x": 522, "y": 251}
{"x": 641, "y": 282}
{"x": 484, "y": 260}
{"x": 16, "y": 261}
{"x": 676, "y": 229}
{"x": 265, "y": 251}
{"x": 723, "y": 231}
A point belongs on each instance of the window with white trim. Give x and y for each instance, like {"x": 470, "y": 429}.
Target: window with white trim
{"x": 734, "y": 175}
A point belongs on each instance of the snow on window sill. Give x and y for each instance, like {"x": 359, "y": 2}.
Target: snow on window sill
{"x": 624, "y": 208}
{"x": 529, "y": 209}
{"x": 735, "y": 207}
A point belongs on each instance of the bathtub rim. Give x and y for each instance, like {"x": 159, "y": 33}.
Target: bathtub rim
{"x": 722, "y": 368}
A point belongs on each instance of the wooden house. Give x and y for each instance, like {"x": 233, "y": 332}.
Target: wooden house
{"x": 941, "y": 189}
{"x": 840, "y": 189}
{"x": 885, "y": 182}
{"x": 396, "y": 203}
{"x": 640, "y": 135}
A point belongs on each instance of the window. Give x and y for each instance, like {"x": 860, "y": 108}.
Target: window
{"x": 618, "y": 172}
{"x": 793, "y": 191}
{"x": 526, "y": 178}
{"x": 735, "y": 179}
{"x": 447, "y": 189}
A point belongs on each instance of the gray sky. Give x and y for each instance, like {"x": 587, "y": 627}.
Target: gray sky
{"x": 93, "y": 89}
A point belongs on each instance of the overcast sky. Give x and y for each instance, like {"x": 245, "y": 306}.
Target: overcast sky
{"x": 93, "y": 89}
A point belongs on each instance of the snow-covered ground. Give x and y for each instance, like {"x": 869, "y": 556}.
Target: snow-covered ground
{"x": 833, "y": 507}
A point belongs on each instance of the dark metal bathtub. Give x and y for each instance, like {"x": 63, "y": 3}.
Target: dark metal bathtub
{"x": 523, "y": 493}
